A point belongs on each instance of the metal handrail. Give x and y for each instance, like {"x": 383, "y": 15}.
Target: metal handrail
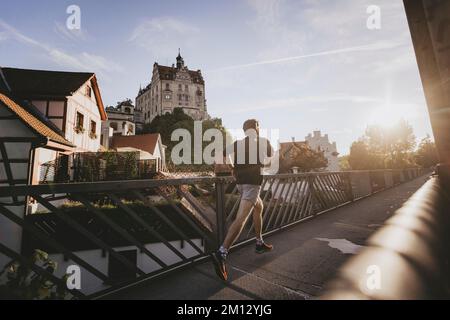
{"x": 149, "y": 183}
{"x": 408, "y": 257}
{"x": 288, "y": 199}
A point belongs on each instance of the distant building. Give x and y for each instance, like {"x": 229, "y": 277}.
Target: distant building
{"x": 321, "y": 143}
{"x": 173, "y": 87}
{"x": 120, "y": 122}
{"x": 150, "y": 143}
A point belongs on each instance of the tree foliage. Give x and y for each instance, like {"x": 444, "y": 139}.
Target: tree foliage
{"x": 384, "y": 148}
{"x": 302, "y": 157}
{"x": 167, "y": 123}
{"x": 426, "y": 155}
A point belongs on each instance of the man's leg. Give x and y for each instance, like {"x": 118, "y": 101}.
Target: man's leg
{"x": 238, "y": 224}
{"x": 233, "y": 233}
{"x": 257, "y": 218}
{"x": 261, "y": 246}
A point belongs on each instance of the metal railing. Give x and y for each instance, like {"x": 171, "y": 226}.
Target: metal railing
{"x": 408, "y": 258}
{"x": 168, "y": 224}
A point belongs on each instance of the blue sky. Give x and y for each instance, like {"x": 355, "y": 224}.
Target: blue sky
{"x": 298, "y": 66}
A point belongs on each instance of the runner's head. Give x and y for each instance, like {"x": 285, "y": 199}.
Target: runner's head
{"x": 250, "y": 127}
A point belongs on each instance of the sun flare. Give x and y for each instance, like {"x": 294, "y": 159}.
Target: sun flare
{"x": 389, "y": 114}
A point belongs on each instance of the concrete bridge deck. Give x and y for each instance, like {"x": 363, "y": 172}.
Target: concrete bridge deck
{"x": 305, "y": 257}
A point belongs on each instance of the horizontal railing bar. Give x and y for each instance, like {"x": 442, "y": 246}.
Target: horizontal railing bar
{"x": 104, "y": 186}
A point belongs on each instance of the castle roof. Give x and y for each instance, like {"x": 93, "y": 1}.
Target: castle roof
{"x": 169, "y": 73}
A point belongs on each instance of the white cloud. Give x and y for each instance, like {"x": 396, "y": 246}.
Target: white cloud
{"x": 3, "y": 36}
{"x": 162, "y": 36}
{"x": 371, "y": 47}
{"x": 79, "y": 62}
{"x": 307, "y": 101}
{"x": 71, "y": 35}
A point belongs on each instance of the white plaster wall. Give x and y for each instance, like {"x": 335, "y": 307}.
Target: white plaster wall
{"x": 317, "y": 140}
{"x": 10, "y": 233}
{"x": 88, "y": 107}
{"x": 43, "y": 156}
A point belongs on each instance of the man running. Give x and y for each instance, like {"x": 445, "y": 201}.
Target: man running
{"x": 249, "y": 157}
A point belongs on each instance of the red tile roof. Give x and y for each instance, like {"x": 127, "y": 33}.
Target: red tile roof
{"x": 145, "y": 142}
{"x": 32, "y": 122}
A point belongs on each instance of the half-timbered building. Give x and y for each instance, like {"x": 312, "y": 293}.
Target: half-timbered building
{"x": 69, "y": 103}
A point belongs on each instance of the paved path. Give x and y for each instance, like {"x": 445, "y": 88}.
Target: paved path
{"x": 304, "y": 259}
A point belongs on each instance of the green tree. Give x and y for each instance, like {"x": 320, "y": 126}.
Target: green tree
{"x": 167, "y": 123}
{"x": 343, "y": 163}
{"x": 362, "y": 158}
{"x": 426, "y": 155}
{"x": 381, "y": 148}
{"x": 302, "y": 157}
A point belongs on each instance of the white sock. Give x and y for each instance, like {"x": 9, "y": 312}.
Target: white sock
{"x": 223, "y": 251}
{"x": 259, "y": 241}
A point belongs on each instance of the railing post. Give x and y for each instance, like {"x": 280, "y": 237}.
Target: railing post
{"x": 220, "y": 210}
{"x": 312, "y": 192}
{"x": 350, "y": 194}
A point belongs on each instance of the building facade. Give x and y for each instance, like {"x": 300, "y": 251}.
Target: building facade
{"x": 170, "y": 88}
{"x": 69, "y": 103}
{"x": 120, "y": 122}
{"x": 22, "y": 135}
{"x": 321, "y": 143}
{"x": 150, "y": 143}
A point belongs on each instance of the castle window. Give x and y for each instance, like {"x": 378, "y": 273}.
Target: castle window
{"x": 179, "y": 87}
{"x": 167, "y": 96}
{"x": 186, "y": 87}
{"x": 167, "y": 86}
{"x": 113, "y": 125}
